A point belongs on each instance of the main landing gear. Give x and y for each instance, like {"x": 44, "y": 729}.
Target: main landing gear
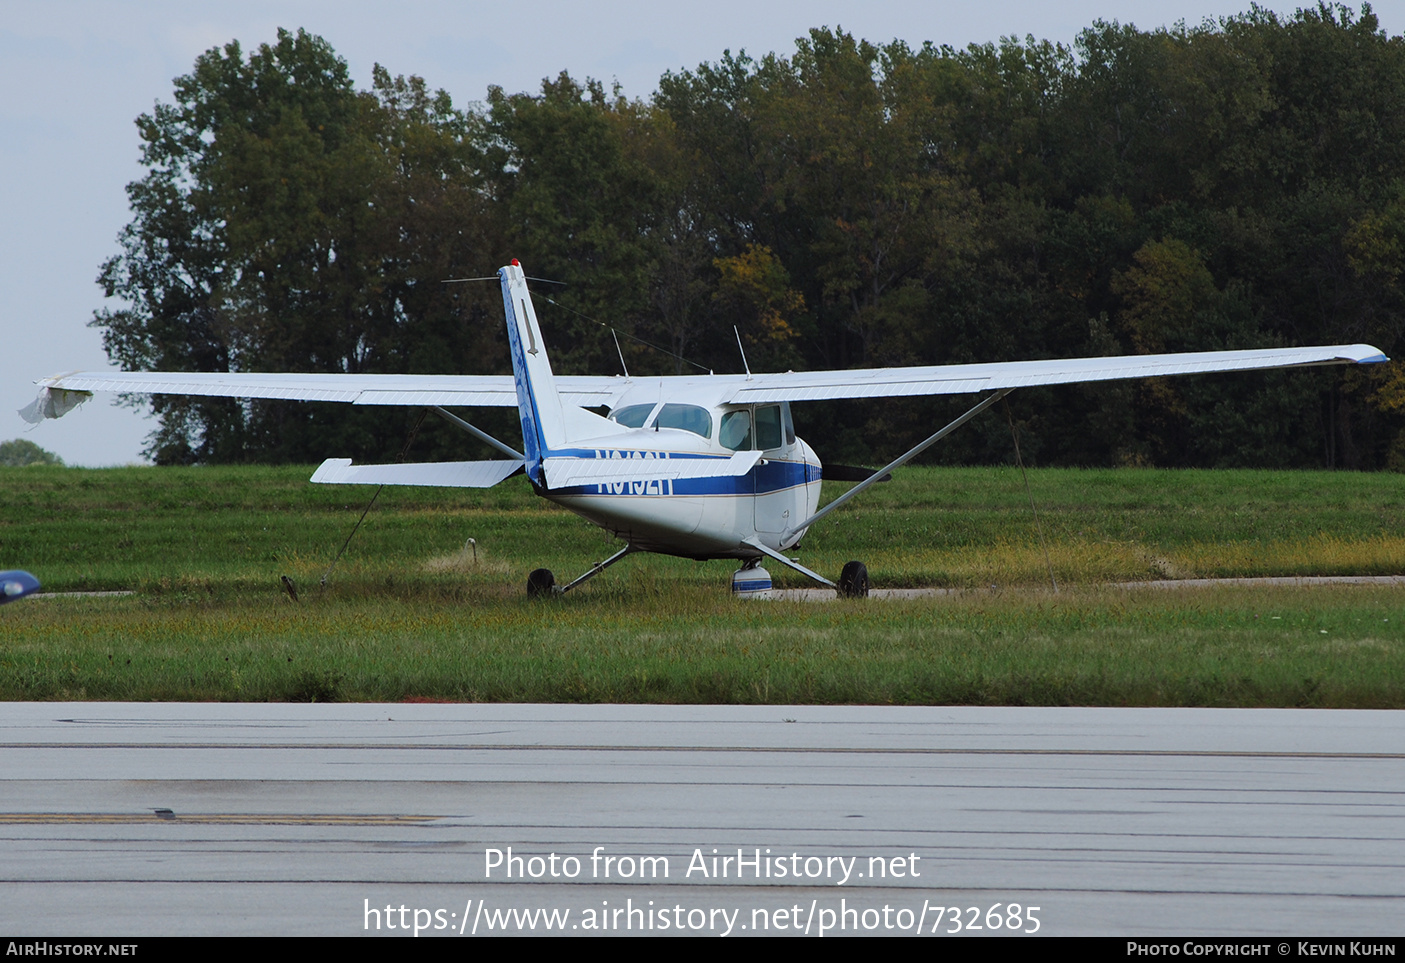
{"x": 542, "y": 583}
{"x": 749, "y": 581}
{"x": 853, "y": 581}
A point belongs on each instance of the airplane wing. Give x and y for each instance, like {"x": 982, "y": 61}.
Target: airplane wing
{"x": 968, "y": 378}
{"x": 971, "y": 378}
{"x": 61, "y": 393}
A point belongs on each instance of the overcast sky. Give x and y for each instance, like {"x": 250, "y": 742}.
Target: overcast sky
{"x": 76, "y": 73}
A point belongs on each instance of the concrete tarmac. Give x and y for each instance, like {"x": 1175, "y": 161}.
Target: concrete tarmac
{"x": 152, "y": 819}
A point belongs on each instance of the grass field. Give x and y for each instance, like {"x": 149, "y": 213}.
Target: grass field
{"x": 409, "y": 614}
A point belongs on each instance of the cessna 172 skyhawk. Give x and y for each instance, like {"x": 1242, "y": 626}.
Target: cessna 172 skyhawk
{"x": 696, "y": 466}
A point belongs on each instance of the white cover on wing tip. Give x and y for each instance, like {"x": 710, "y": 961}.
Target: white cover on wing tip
{"x": 53, "y": 403}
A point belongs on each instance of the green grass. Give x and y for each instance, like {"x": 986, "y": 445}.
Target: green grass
{"x": 129, "y": 527}
{"x": 643, "y": 642}
{"x": 408, "y": 614}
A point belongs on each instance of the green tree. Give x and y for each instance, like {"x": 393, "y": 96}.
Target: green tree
{"x": 1223, "y": 185}
{"x": 755, "y": 289}
{"x": 18, "y": 453}
{"x": 579, "y": 203}
{"x": 288, "y": 222}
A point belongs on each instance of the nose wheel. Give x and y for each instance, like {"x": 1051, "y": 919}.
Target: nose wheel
{"x": 853, "y": 581}
{"x": 751, "y": 581}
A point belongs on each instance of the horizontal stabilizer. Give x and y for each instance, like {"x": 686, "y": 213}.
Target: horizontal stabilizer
{"x": 438, "y": 474}
{"x": 562, "y": 472}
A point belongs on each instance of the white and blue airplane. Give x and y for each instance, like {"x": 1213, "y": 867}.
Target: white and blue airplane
{"x": 16, "y": 584}
{"x": 700, "y": 467}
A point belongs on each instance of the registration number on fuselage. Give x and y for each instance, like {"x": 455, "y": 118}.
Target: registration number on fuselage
{"x": 648, "y": 486}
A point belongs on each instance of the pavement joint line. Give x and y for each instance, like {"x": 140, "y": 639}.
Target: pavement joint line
{"x": 252, "y": 819}
{"x": 915, "y": 750}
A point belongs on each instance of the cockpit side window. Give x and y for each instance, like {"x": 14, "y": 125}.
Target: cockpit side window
{"x": 735, "y": 432}
{"x": 632, "y": 416}
{"x": 687, "y": 417}
{"x": 768, "y": 427}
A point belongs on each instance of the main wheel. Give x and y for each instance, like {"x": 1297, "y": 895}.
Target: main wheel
{"x": 853, "y": 581}
{"x": 540, "y": 582}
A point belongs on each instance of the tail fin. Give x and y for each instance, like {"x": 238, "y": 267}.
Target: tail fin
{"x": 547, "y": 424}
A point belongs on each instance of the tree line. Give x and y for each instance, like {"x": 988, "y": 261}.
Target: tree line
{"x": 1235, "y": 184}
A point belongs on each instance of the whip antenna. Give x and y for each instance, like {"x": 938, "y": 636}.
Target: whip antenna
{"x": 743, "y": 351}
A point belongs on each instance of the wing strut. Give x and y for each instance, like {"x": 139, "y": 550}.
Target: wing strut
{"x": 900, "y": 461}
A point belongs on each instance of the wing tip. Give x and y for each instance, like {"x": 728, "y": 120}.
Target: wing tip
{"x": 330, "y": 471}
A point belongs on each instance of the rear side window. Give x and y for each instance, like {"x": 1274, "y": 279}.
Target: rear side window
{"x": 632, "y": 416}
{"x": 768, "y": 427}
{"x": 688, "y": 417}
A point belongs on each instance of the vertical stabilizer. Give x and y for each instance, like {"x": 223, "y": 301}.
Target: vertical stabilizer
{"x": 543, "y": 419}
{"x": 548, "y": 424}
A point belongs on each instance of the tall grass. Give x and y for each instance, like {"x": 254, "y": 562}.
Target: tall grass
{"x": 631, "y": 642}
{"x": 133, "y": 527}
{"x": 409, "y": 613}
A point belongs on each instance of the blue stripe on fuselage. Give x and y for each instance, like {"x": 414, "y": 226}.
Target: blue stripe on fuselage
{"x": 764, "y": 479}
{"x": 775, "y": 475}
{"x": 627, "y": 453}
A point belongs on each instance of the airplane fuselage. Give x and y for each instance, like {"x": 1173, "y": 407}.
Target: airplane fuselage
{"x": 698, "y": 517}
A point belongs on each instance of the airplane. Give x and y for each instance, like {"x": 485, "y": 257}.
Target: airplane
{"x": 16, "y": 584}
{"x": 701, "y": 467}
